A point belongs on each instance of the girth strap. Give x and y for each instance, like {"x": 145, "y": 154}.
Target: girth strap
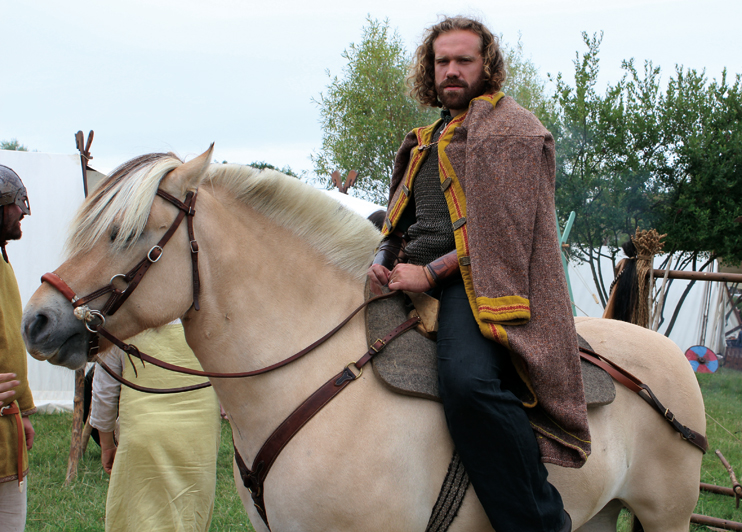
{"x": 637, "y": 386}
{"x": 254, "y": 478}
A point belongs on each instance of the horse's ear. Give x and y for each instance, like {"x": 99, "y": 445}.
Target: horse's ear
{"x": 188, "y": 176}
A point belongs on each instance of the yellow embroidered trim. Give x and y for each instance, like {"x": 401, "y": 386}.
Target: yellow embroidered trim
{"x": 554, "y": 437}
{"x": 514, "y": 310}
{"x": 423, "y": 134}
{"x": 457, "y": 209}
{"x": 566, "y": 431}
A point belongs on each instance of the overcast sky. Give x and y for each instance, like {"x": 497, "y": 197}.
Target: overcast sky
{"x": 166, "y": 75}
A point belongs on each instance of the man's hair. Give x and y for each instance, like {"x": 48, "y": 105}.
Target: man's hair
{"x": 422, "y": 74}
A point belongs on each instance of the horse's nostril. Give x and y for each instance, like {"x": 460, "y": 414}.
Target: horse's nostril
{"x": 37, "y": 327}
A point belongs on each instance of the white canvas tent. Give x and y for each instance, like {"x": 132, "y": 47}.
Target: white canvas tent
{"x": 55, "y": 190}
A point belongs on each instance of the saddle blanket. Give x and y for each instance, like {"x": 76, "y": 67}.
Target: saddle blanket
{"x": 408, "y": 364}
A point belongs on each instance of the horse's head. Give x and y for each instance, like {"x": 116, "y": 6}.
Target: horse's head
{"x": 118, "y": 226}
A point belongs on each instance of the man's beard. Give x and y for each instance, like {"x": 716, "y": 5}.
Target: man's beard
{"x": 459, "y": 100}
{"x": 13, "y": 232}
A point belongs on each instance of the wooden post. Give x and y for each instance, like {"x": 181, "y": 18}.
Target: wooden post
{"x": 77, "y": 427}
{"x": 713, "y": 521}
{"x": 77, "y": 445}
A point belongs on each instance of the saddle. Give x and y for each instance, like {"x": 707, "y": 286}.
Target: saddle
{"x": 408, "y": 365}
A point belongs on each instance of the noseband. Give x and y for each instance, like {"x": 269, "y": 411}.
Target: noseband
{"x": 96, "y": 319}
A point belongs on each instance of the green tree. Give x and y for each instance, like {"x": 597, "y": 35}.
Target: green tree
{"x": 703, "y": 174}
{"x": 366, "y": 113}
{"x": 607, "y": 149}
{"x": 12, "y": 144}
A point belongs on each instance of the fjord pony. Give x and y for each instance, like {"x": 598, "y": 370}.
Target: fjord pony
{"x": 281, "y": 264}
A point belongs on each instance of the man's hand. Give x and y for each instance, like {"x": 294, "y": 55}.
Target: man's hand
{"x": 30, "y": 432}
{"x": 410, "y": 278}
{"x": 107, "y": 450}
{"x": 7, "y": 383}
{"x": 378, "y": 276}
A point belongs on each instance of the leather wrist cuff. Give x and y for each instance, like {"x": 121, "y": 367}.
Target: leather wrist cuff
{"x": 389, "y": 251}
{"x": 443, "y": 268}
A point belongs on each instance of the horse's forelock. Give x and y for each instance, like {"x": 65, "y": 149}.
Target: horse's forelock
{"x": 122, "y": 200}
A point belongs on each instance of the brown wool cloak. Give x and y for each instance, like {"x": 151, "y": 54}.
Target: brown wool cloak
{"x": 497, "y": 170}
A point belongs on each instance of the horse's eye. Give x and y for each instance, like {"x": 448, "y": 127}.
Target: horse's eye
{"x": 114, "y": 233}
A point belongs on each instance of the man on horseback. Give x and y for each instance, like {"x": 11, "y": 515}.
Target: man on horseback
{"x": 471, "y": 213}
{"x": 16, "y": 430}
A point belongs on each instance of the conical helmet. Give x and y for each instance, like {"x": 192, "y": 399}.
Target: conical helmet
{"x": 12, "y": 190}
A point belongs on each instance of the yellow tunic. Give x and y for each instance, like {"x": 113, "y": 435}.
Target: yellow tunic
{"x": 12, "y": 360}
{"x": 164, "y": 473}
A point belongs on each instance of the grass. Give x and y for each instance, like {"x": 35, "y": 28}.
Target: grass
{"x": 81, "y": 506}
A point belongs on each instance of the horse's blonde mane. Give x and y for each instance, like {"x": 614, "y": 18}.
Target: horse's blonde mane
{"x": 120, "y": 206}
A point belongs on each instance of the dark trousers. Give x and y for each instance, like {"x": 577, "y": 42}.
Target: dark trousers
{"x": 489, "y": 425}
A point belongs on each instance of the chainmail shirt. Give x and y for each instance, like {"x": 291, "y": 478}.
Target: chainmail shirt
{"x": 431, "y": 235}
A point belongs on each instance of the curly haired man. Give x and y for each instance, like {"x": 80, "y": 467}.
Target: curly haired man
{"x": 472, "y": 207}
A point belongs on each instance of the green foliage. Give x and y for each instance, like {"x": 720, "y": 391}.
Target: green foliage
{"x": 366, "y": 113}
{"x": 636, "y": 156}
{"x": 703, "y": 125}
{"x": 12, "y": 144}
{"x": 607, "y": 151}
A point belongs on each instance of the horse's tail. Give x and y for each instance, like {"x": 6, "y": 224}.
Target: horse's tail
{"x": 625, "y": 289}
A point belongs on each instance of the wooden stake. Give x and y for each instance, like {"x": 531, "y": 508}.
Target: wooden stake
{"x": 77, "y": 425}
{"x": 735, "y": 485}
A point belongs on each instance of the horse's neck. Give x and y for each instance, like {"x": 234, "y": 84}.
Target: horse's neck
{"x": 266, "y": 295}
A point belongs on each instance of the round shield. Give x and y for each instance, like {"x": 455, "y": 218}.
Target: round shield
{"x": 702, "y": 359}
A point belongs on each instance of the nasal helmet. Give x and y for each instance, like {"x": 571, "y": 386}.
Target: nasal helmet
{"x": 12, "y": 190}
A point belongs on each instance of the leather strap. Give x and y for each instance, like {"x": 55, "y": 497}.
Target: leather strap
{"x": 635, "y": 385}
{"x": 133, "y": 351}
{"x": 10, "y": 410}
{"x": 254, "y": 478}
{"x": 144, "y": 389}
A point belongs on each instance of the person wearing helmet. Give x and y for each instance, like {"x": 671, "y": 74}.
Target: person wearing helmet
{"x": 16, "y": 430}
{"x": 13, "y": 206}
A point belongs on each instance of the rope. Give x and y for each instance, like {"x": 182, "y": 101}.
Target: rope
{"x": 723, "y": 427}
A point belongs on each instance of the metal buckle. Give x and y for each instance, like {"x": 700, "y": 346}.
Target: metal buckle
{"x": 194, "y": 246}
{"x": 149, "y": 254}
{"x": 379, "y": 341}
{"x": 4, "y": 408}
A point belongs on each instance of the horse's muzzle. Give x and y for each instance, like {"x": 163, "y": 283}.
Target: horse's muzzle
{"x": 52, "y": 333}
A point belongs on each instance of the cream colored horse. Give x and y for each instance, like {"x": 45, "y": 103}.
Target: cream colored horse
{"x": 280, "y": 265}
